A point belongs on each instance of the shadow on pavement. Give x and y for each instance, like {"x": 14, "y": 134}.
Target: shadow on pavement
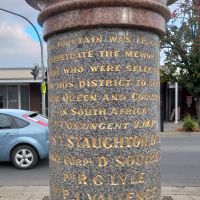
{"x": 9, "y": 165}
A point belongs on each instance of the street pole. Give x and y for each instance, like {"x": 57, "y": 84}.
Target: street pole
{"x": 161, "y": 107}
{"x": 176, "y": 103}
{"x": 42, "y": 56}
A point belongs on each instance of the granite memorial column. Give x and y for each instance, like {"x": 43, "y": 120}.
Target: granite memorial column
{"x": 103, "y": 86}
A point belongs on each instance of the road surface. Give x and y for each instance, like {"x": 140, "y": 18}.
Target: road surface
{"x": 180, "y": 165}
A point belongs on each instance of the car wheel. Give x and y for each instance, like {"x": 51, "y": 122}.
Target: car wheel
{"x": 24, "y": 157}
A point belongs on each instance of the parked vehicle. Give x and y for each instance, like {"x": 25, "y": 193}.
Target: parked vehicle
{"x": 23, "y": 137}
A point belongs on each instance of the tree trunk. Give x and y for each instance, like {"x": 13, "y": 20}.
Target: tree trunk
{"x": 197, "y": 103}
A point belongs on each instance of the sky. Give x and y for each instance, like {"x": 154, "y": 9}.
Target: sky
{"x": 19, "y": 45}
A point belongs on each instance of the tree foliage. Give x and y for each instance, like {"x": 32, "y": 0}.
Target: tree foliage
{"x": 181, "y": 46}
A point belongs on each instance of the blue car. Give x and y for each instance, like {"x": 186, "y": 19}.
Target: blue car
{"x": 23, "y": 137}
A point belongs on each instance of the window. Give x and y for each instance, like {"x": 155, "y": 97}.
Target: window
{"x": 20, "y": 123}
{"x": 13, "y": 96}
{"x": 5, "y": 122}
{"x": 3, "y": 96}
{"x": 24, "y": 92}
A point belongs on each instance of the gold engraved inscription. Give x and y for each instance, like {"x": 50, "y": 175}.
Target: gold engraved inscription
{"x": 147, "y": 41}
{"x": 104, "y": 83}
{"x": 109, "y": 53}
{"x": 82, "y": 162}
{"x": 103, "y": 111}
{"x": 140, "y": 54}
{"x": 74, "y": 125}
{"x": 81, "y": 40}
{"x": 145, "y": 194}
{"x": 67, "y": 97}
{"x": 144, "y": 97}
{"x": 113, "y": 38}
{"x": 142, "y": 69}
{"x": 102, "y": 54}
{"x": 114, "y": 97}
{"x": 122, "y": 142}
{"x": 108, "y": 179}
{"x": 79, "y": 97}
{"x": 67, "y": 70}
{"x": 102, "y": 161}
{"x": 137, "y": 159}
{"x": 61, "y": 85}
{"x": 145, "y": 83}
{"x": 131, "y": 160}
{"x": 71, "y": 56}
{"x": 77, "y": 41}
{"x": 53, "y": 72}
{"x": 148, "y": 123}
{"x": 105, "y": 68}
{"x": 119, "y": 83}
{"x": 73, "y": 70}
{"x": 54, "y": 98}
{"x": 119, "y": 39}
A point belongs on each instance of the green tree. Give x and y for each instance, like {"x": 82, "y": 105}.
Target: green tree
{"x": 181, "y": 46}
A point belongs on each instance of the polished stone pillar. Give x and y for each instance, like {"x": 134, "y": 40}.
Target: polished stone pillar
{"x": 103, "y": 86}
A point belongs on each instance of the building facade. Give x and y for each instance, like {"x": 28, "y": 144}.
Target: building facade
{"x": 19, "y": 90}
{"x": 186, "y": 103}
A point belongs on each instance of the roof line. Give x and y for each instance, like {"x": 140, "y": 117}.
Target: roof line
{"x": 20, "y": 81}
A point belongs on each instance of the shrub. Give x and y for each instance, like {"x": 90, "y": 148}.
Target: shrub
{"x": 190, "y": 124}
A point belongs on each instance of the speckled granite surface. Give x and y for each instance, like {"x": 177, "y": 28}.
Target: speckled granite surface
{"x": 103, "y": 112}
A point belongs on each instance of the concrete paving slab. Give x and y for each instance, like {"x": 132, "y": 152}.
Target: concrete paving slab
{"x": 39, "y": 192}
{"x": 180, "y": 197}
{"x": 181, "y": 191}
{"x": 193, "y": 197}
{"x": 23, "y": 192}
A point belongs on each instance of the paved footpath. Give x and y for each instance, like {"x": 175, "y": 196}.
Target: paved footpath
{"x": 38, "y": 193}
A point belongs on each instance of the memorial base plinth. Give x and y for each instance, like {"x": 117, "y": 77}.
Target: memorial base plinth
{"x": 163, "y": 198}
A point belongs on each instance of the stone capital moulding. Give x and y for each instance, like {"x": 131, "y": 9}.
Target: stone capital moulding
{"x": 60, "y": 15}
